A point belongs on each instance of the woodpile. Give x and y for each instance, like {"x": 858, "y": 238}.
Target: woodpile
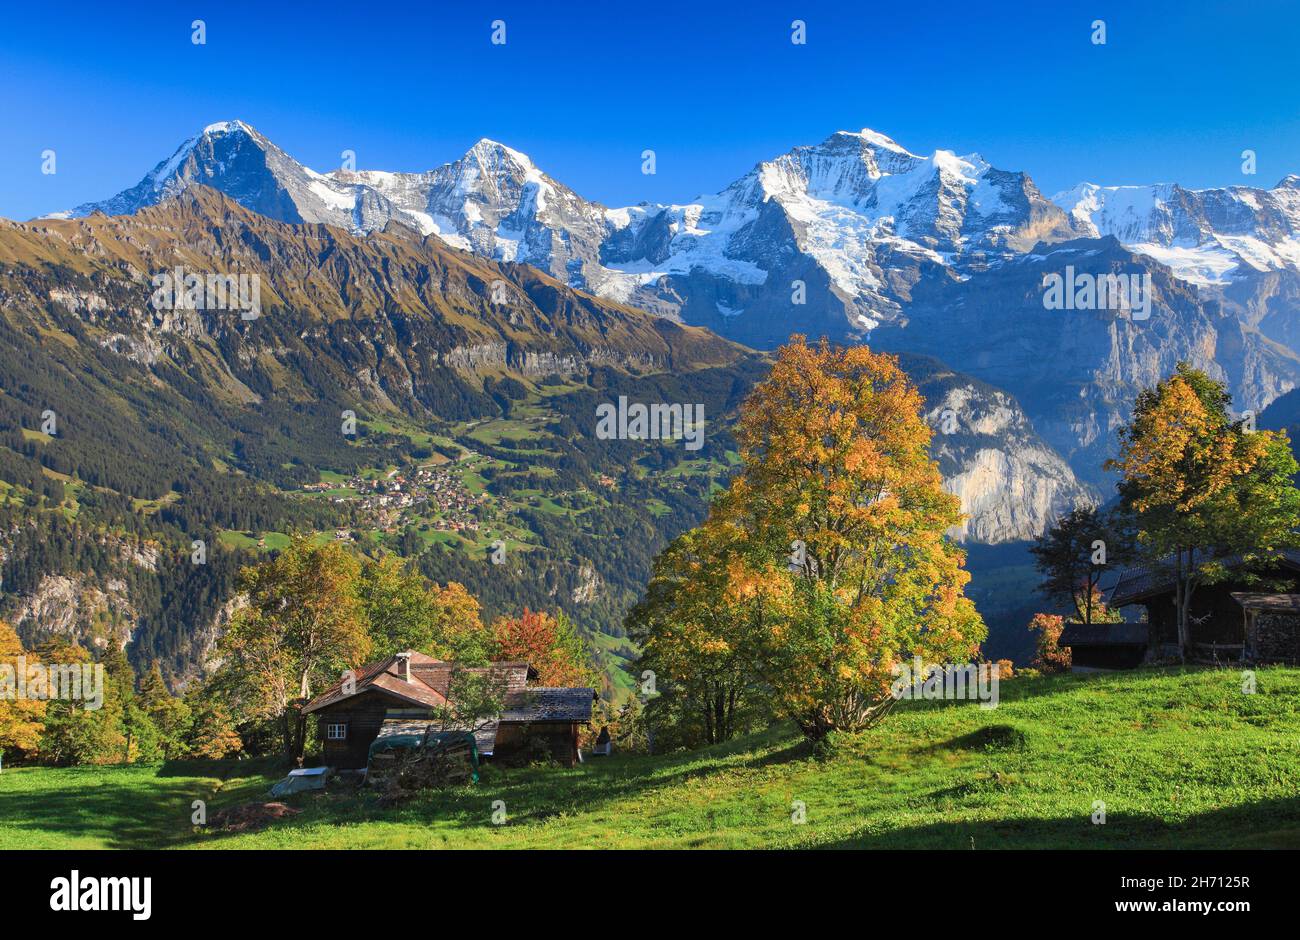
{"x": 401, "y": 773}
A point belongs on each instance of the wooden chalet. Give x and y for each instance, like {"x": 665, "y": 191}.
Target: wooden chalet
{"x": 410, "y": 686}
{"x": 1228, "y": 621}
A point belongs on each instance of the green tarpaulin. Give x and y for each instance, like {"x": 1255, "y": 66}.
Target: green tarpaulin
{"x": 403, "y": 737}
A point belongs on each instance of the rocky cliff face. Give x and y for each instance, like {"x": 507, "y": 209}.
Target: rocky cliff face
{"x": 76, "y": 610}
{"x": 1012, "y": 484}
{"x": 1077, "y": 372}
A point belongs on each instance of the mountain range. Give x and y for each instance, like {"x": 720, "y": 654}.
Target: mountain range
{"x": 858, "y": 239}
{"x": 483, "y": 308}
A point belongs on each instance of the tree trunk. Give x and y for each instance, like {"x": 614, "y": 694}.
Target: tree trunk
{"x": 1180, "y": 605}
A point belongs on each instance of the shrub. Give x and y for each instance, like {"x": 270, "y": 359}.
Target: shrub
{"x": 1051, "y": 657}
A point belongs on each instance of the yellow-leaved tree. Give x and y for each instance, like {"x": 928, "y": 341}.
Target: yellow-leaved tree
{"x": 21, "y": 719}
{"x": 303, "y": 626}
{"x": 1202, "y": 487}
{"x": 828, "y": 554}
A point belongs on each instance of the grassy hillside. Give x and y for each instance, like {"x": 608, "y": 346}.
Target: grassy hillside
{"x": 1182, "y": 759}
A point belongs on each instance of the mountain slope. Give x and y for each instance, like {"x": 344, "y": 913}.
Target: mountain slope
{"x": 858, "y": 239}
{"x": 1077, "y": 372}
{"x": 1206, "y": 236}
{"x": 176, "y": 424}
{"x": 941, "y": 775}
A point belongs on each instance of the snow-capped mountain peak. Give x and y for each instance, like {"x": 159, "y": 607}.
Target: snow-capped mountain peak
{"x": 1209, "y": 237}
{"x": 857, "y": 211}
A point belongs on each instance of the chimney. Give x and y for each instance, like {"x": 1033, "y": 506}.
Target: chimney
{"x": 404, "y": 666}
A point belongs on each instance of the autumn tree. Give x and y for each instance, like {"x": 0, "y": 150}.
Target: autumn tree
{"x": 303, "y": 626}
{"x": 211, "y": 732}
{"x": 1202, "y": 486}
{"x": 837, "y": 564}
{"x": 1051, "y": 657}
{"x": 21, "y": 719}
{"x": 1073, "y": 556}
{"x": 550, "y": 644}
{"x": 698, "y": 639}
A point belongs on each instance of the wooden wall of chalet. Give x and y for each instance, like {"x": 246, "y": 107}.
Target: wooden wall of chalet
{"x": 364, "y": 716}
{"x": 518, "y": 743}
{"x": 1215, "y": 616}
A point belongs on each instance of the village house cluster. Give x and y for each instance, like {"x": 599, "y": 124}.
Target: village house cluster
{"x": 402, "y": 496}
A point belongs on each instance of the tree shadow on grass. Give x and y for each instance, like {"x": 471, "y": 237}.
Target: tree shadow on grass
{"x": 116, "y": 814}
{"x": 1266, "y": 824}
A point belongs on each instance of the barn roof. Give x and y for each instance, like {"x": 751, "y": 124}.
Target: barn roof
{"x": 540, "y": 703}
{"x": 1104, "y": 634}
{"x": 1142, "y": 581}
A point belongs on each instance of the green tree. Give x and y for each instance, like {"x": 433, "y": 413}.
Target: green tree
{"x": 303, "y": 626}
{"x": 1073, "y": 555}
{"x": 405, "y": 611}
{"x": 123, "y": 711}
{"x": 75, "y": 733}
{"x": 168, "y": 713}
{"x": 1202, "y": 487}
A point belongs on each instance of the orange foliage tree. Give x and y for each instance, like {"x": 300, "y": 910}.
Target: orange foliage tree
{"x": 837, "y": 561}
{"x": 1051, "y": 657}
{"x": 21, "y": 719}
{"x": 551, "y": 645}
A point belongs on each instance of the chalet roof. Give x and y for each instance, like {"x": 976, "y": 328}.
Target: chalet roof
{"x": 429, "y": 682}
{"x": 547, "y": 703}
{"x": 1104, "y": 634}
{"x": 386, "y": 675}
{"x": 1142, "y": 581}
{"x": 1268, "y": 603}
{"x": 513, "y": 675}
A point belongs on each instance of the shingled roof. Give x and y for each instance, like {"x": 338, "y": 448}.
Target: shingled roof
{"x": 385, "y": 675}
{"x": 546, "y": 703}
{"x": 1268, "y": 603}
{"x": 1104, "y": 634}
{"x": 540, "y": 703}
{"x": 1142, "y": 581}
{"x": 428, "y": 685}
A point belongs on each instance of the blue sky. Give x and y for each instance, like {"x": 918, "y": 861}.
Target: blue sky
{"x": 1177, "y": 92}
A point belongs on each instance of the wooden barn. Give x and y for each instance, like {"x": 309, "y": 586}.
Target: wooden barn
{"x": 536, "y": 720}
{"x": 1228, "y": 621}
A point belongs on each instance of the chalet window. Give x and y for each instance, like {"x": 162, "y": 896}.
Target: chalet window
{"x": 336, "y": 732}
